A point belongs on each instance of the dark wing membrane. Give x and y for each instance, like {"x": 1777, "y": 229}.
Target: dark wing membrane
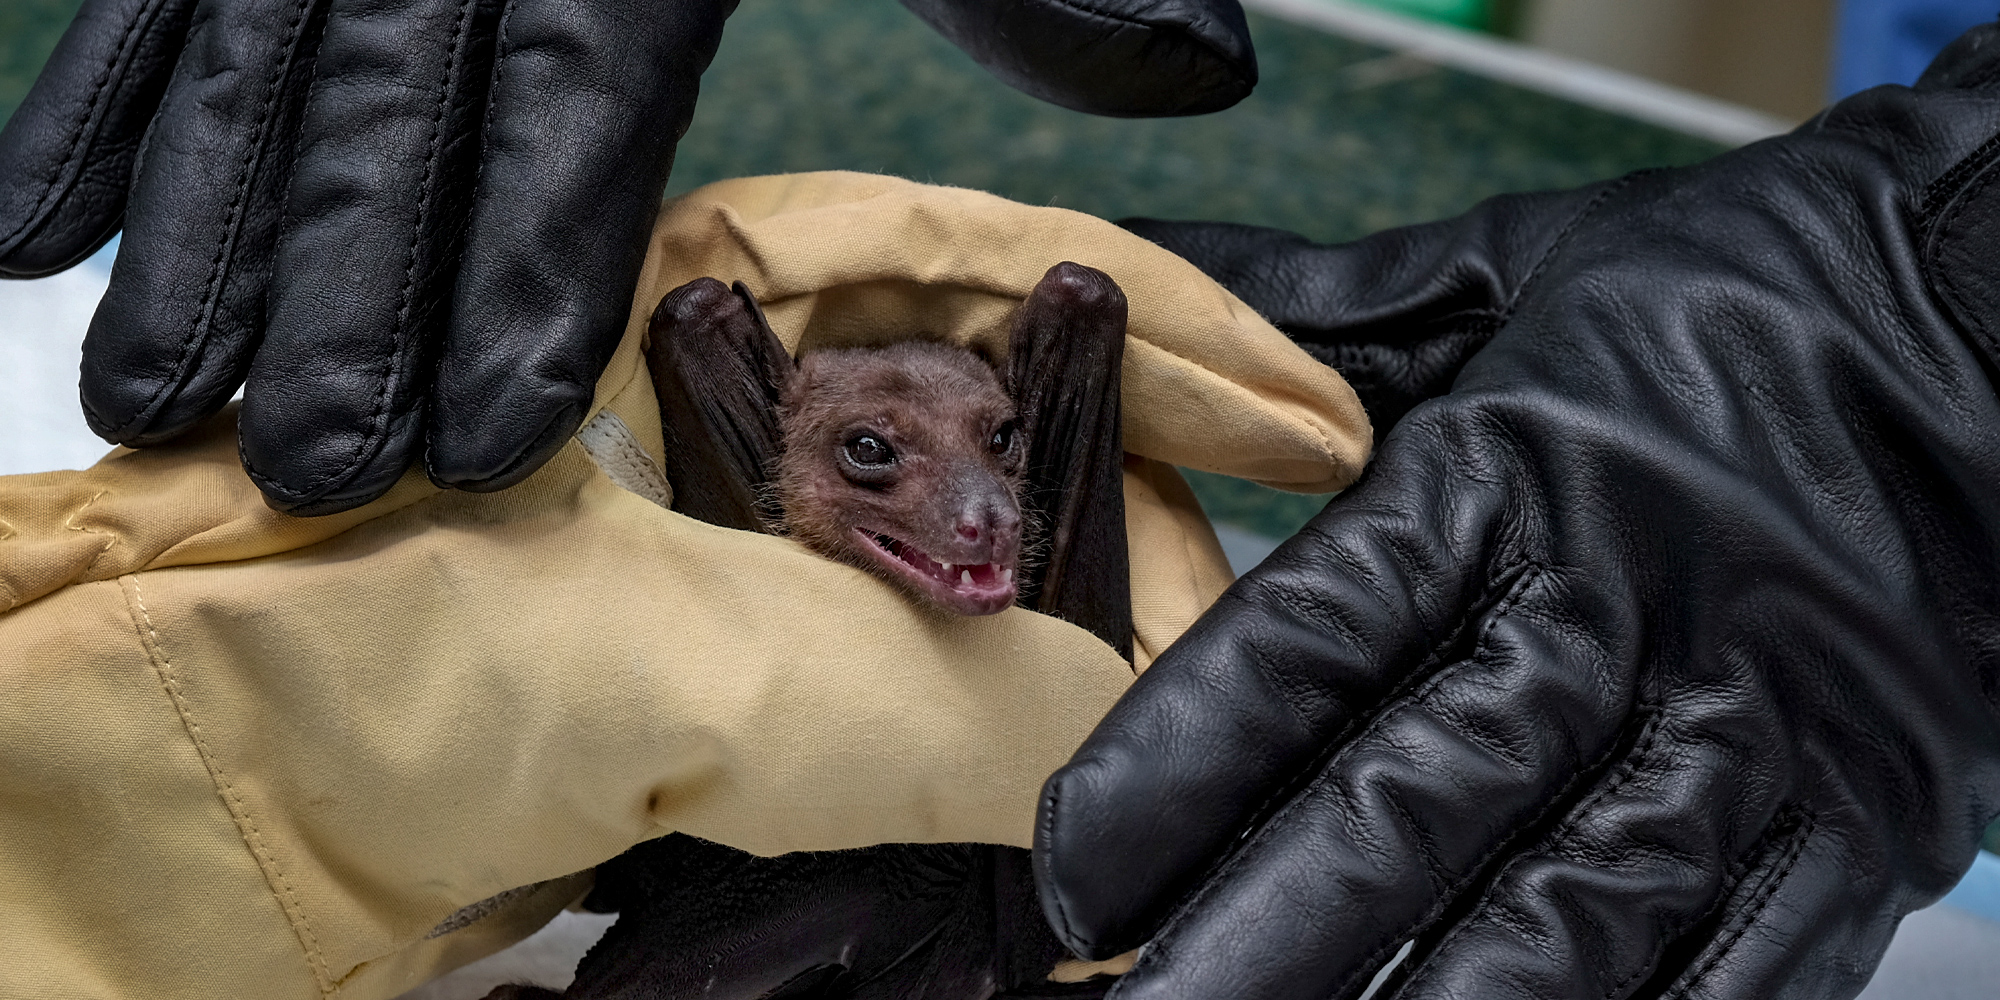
{"x": 890, "y": 922}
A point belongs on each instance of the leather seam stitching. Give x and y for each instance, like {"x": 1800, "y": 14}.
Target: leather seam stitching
{"x": 1515, "y": 595}
{"x": 82, "y": 138}
{"x": 1374, "y": 959}
{"x": 1946, "y": 280}
{"x": 1939, "y": 193}
{"x": 1627, "y": 769}
{"x": 1765, "y": 893}
{"x": 503, "y": 49}
{"x": 1053, "y": 802}
{"x": 378, "y": 426}
{"x": 233, "y": 221}
{"x": 1562, "y": 239}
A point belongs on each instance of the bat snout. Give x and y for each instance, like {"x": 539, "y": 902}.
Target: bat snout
{"x": 985, "y": 522}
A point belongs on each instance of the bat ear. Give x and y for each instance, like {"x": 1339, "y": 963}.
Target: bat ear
{"x": 719, "y": 372}
{"x": 1064, "y": 360}
{"x": 773, "y": 347}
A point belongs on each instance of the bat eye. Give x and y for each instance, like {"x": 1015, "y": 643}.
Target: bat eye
{"x": 1003, "y": 438}
{"x": 869, "y": 451}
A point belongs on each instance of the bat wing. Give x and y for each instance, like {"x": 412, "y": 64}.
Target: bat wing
{"x": 718, "y": 370}
{"x": 1063, "y": 360}
{"x": 895, "y": 921}
{"x": 890, "y": 922}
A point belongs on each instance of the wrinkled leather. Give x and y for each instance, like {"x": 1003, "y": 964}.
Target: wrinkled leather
{"x": 86, "y": 125}
{"x": 1124, "y": 58}
{"x": 1397, "y": 313}
{"x": 409, "y": 229}
{"x": 1658, "y": 656}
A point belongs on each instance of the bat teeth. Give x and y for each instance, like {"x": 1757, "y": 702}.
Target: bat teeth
{"x": 965, "y": 577}
{"x": 1006, "y": 576}
{"x": 947, "y": 567}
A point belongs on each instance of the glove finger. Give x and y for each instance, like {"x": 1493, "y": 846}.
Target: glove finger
{"x": 1406, "y": 817}
{"x": 1806, "y": 918}
{"x": 333, "y": 411}
{"x": 1373, "y": 595}
{"x": 1400, "y": 312}
{"x": 586, "y": 106}
{"x": 1123, "y": 58}
{"x": 1971, "y": 60}
{"x": 1633, "y": 873}
{"x": 66, "y": 154}
{"x": 173, "y": 336}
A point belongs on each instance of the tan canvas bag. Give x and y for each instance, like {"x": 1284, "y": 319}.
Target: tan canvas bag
{"x": 251, "y": 755}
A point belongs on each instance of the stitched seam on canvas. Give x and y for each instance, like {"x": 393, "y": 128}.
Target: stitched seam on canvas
{"x": 9, "y": 597}
{"x": 232, "y": 800}
{"x": 110, "y": 539}
{"x": 77, "y": 143}
{"x": 233, "y": 215}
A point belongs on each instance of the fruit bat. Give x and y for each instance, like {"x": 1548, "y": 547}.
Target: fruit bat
{"x": 884, "y": 457}
{"x": 928, "y": 466}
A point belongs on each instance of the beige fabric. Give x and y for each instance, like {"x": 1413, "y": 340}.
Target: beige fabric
{"x": 255, "y": 755}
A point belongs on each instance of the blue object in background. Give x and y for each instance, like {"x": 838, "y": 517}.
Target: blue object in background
{"x": 1979, "y": 891}
{"x": 1891, "y": 41}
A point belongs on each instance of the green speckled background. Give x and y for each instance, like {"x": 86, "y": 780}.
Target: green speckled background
{"x": 1339, "y": 140}
{"x": 28, "y": 30}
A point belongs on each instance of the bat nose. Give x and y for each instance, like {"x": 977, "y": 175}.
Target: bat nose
{"x": 983, "y": 517}
{"x": 985, "y": 521}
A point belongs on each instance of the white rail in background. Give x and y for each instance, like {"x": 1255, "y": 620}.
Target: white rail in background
{"x": 1533, "y": 69}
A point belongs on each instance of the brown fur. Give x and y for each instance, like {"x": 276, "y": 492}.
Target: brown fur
{"x": 948, "y": 491}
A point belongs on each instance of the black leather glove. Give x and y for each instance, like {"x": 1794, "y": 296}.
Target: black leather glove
{"x": 893, "y": 922}
{"x": 1658, "y": 657}
{"x": 415, "y": 225}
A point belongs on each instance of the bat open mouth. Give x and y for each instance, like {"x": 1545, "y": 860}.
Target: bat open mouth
{"x": 978, "y": 589}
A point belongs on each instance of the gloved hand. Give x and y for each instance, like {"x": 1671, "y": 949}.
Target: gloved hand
{"x": 1658, "y": 657}
{"x": 415, "y": 225}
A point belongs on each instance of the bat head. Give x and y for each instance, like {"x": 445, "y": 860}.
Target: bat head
{"x": 904, "y": 461}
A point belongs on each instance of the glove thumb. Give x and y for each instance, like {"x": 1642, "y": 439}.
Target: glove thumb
{"x": 1123, "y": 58}
{"x": 1399, "y": 312}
